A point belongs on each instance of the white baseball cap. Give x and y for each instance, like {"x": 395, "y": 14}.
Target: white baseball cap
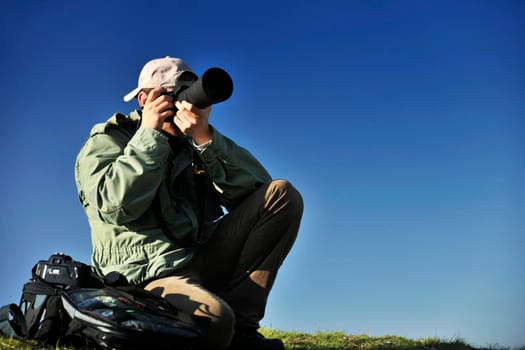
{"x": 159, "y": 72}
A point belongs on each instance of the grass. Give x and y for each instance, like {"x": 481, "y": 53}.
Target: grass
{"x": 344, "y": 341}
{"x": 317, "y": 341}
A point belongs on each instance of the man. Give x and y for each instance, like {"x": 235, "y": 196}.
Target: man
{"x": 154, "y": 184}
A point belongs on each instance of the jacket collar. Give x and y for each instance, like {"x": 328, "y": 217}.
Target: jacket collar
{"x": 121, "y": 119}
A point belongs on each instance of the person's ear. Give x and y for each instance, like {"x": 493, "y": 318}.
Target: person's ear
{"x": 141, "y": 98}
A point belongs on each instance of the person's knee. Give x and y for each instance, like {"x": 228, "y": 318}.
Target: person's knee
{"x": 221, "y": 330}
{"x": 193, "y": 299}
{"x": 288, "y": 194}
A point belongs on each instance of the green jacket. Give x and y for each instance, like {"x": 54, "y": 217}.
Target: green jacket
{"x": 144, "y": 200}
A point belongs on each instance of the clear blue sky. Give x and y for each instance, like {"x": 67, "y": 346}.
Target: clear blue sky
{"x": 401, "y": 122}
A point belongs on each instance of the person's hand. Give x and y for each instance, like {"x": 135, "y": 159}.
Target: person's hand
{"x": 157, "y": 108}
{"x": 193, "y": 121}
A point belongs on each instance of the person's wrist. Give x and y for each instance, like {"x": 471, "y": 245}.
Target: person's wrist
{"x": 152, "y": 123}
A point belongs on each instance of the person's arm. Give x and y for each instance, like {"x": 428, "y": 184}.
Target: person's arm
{"x": 120, "y": 178}
{"x": 119, "y": 172}
{"x": 235, "y": 172}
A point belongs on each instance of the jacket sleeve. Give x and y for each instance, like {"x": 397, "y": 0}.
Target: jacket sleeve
{"x": 234, "y": 171}
{"x": 120, "y": 176}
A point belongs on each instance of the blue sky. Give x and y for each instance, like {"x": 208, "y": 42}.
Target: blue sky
{"x": 401, "y": 122}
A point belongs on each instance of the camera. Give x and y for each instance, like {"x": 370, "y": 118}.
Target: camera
{"x": 214, "y": 86}
{"x": 61, "y": 269}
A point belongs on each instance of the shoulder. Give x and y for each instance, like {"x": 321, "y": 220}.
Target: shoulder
{"x": 117, "y": 123}
{"x": 110, "y": 136}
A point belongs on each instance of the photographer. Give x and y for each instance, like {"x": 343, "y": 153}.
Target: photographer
{"x": 154, "y": 184}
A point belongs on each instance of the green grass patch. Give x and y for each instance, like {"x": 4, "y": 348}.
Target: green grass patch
{"x": 317, "y": 341}
{"x": 343, "y": 341}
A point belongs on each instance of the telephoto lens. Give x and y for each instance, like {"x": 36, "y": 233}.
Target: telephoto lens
{"x": 214, "y": 86}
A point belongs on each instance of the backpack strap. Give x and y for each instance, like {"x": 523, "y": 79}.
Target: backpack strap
{"x": 41, "y": 305}
{"x": 12, "y": 322}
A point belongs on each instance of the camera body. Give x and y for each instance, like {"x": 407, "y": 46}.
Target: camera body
{"x": 61, "y": 269}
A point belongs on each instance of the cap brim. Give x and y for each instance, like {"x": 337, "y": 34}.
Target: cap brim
{"x": 130, "y": 96}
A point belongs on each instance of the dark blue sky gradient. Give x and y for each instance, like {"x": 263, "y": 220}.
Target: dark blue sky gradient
{"x": 401, "y": 122}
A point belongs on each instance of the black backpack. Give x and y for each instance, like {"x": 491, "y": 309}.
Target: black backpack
{"x": 66, "y": 303}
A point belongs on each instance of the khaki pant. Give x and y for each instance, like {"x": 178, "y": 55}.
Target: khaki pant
{"x": 230, "y": 277}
